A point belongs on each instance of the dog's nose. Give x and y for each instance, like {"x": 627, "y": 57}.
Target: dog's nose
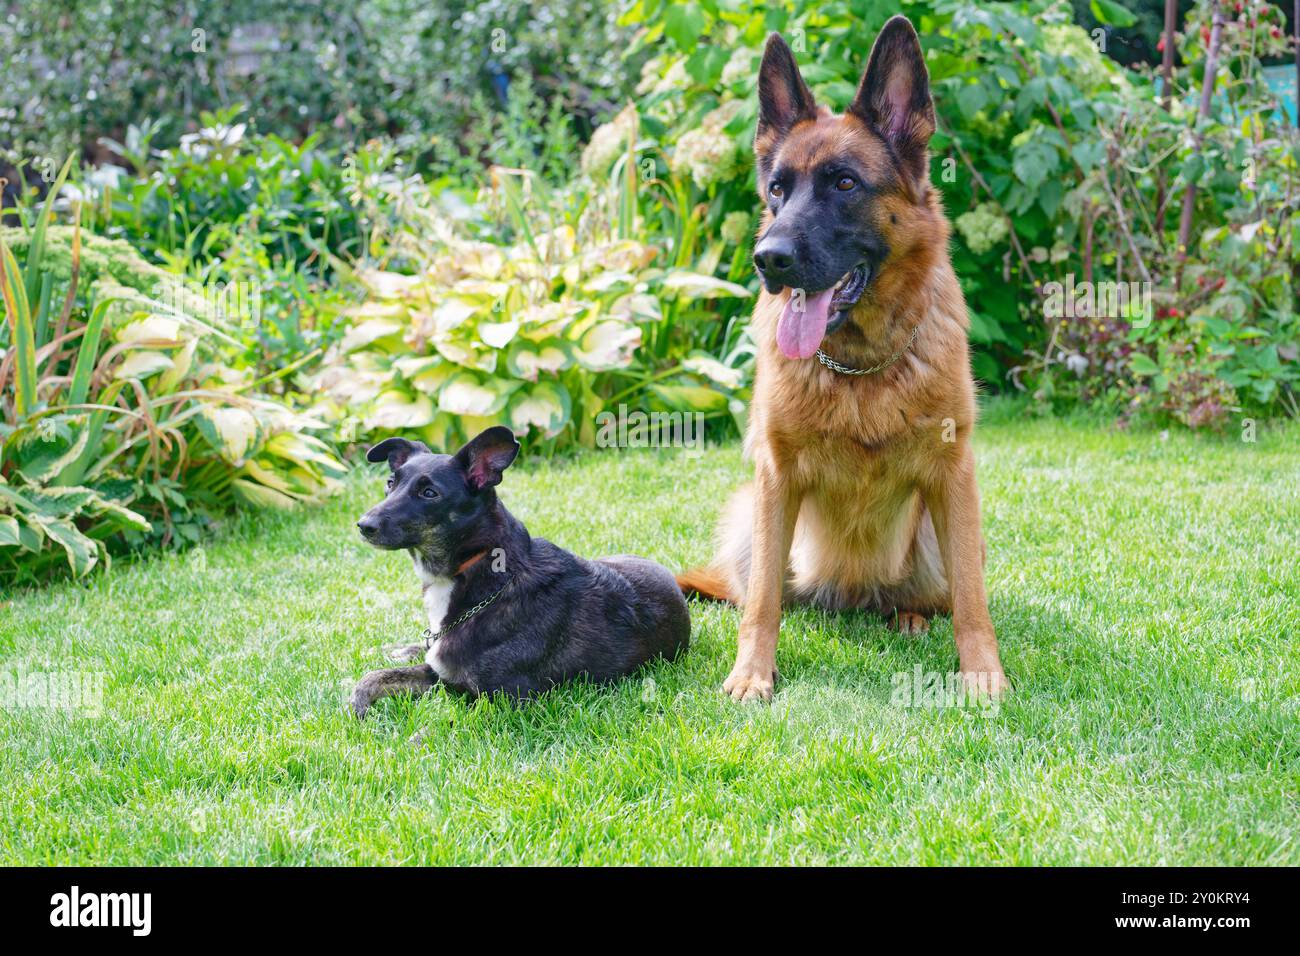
{"x": 367, "y": 525}
{"x": 774, "y": 256}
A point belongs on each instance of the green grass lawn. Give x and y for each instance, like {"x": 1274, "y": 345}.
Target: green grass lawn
{"x": 1146, "y": 593}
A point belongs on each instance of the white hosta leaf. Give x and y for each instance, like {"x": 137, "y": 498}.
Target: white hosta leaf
{"x": 305, "y": 449}
{"x": 132, "y": 519}
{"x": 545, "y": 406}
{"x": 690, "y": 398}
{"x": 150, "y": 327}
{"x": 638, "y": 307}
{"x": 608, "y": 345}
{"x": 607, "y": 280}
{"x": 452, "y": 314}
{"x": 394, "y": 410}
{"x": 82, "y": 552}
{"x": 9, "y": 534}
{"x": 627, "y": 255}
{"x": 369, "y": 332}
{"x": 352, "y": 386}
{"x": 549, "y": 318}
{"x": 231, "y": 431}
{"x": 431, "y": 381}
{"x": 387, "y": 285}
{"x": 142, "y": 364}
{"x": 466, "y": 395}
{"x": 412, "y": 365}
{"x": 480, "y": 290}
{"x": 497, "y": 334}
{"x": 42, "y": 468}
{"x": 528, "y": 359}
{"x": 714, "y": 370}
{"x": 484, "y": 361}
{"x": 692, "y": 285}
{"x": 181, "y": 363}
{"x": 260, "y": 496}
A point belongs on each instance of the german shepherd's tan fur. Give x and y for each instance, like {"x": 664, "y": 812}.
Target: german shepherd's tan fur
{"x": 864, "y": 492}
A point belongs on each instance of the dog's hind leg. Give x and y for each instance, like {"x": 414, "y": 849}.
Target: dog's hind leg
{"x": 389, "y": 682}
{"x": 908, "y": 605}
{"x": 727, "y": 576}
{"x": 909, "y": 622}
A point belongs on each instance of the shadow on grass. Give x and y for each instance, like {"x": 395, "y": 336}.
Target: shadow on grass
{"x": 1028, "y": 635}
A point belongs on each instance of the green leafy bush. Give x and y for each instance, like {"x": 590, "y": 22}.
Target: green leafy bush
{"x": 77, "y": 72}
{"x": 1220, "y": 336}
{"x": 229, "y": 207}
{"x": 120, "y": 425}
{"x": 1056, "y": 165}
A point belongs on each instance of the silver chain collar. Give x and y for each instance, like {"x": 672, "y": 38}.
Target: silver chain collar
{"x": 835, "y": 366}
{"x": 430, "y": 636}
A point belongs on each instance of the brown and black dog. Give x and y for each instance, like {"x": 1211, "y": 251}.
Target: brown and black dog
{"x": 864, "y": 488}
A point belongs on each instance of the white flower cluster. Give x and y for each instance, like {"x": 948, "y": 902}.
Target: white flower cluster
{"x": 735, "y": 228}
{"x": 740, "y": 67}
{"x": 708, "y": 153}
{"x": 608, "y": 142}
{"x": 982, "y": 228}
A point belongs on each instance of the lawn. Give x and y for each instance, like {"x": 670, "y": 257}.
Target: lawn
{"x": 1146, "y": 592}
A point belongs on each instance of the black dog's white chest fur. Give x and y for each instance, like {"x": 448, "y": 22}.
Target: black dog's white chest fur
{"x": 435, "y": 592}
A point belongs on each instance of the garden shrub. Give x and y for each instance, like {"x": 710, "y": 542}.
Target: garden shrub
{"x": 543, "y": 333}
{"x": 75, "y": 73}
{"x": 121, "y": 424}
{"x": 1052, "y": 160}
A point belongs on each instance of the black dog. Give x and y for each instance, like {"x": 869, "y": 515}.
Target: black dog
{"x": 507, "y": 612}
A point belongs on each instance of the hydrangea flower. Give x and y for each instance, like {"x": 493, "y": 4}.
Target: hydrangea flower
{"x": 982, "y": 228}
{"x": 708, "y": 153}
{"x": 735, "y": 228}
{"x": 608, "y": 142}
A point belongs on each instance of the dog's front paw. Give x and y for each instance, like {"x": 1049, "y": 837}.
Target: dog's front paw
{"x": 991, "y": 683}
{"x": 360, "y": 703}
{"x": 363, "y": 695}
{"x": 404, "y": 653}
{"x": 747, "y": 683}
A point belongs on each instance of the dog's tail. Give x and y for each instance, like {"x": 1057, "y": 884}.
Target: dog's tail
{"x": 705, "y": 582}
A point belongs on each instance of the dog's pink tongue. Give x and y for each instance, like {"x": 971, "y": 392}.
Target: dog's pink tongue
{"x": 800, "y": 331}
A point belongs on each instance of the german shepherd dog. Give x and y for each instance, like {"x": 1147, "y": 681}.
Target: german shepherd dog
{"x": 864, "y": 490}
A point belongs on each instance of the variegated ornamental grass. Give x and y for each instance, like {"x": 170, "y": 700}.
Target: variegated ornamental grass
{"x": 120, "y": 423}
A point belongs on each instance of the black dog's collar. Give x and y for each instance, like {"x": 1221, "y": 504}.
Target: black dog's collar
{"x": 470, "y": 562}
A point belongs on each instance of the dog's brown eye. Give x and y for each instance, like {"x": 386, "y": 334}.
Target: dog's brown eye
{"x": 845, "y": 183}
{"x": 776, "y": 191}
{"x": 428, "y": 493}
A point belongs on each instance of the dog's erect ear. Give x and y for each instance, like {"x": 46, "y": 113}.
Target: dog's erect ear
{"x": 894, "y": 96}
{"x": 487, "y": 456}
{"x": 783, "y": 97}
{"x": 396, "y": 451}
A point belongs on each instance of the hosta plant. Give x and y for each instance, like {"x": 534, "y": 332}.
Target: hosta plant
{"x": 569, "y": 317}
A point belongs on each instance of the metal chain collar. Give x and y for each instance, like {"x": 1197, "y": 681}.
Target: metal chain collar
{"x": 429, "y": 636}
{"x": 835, "y": 366}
